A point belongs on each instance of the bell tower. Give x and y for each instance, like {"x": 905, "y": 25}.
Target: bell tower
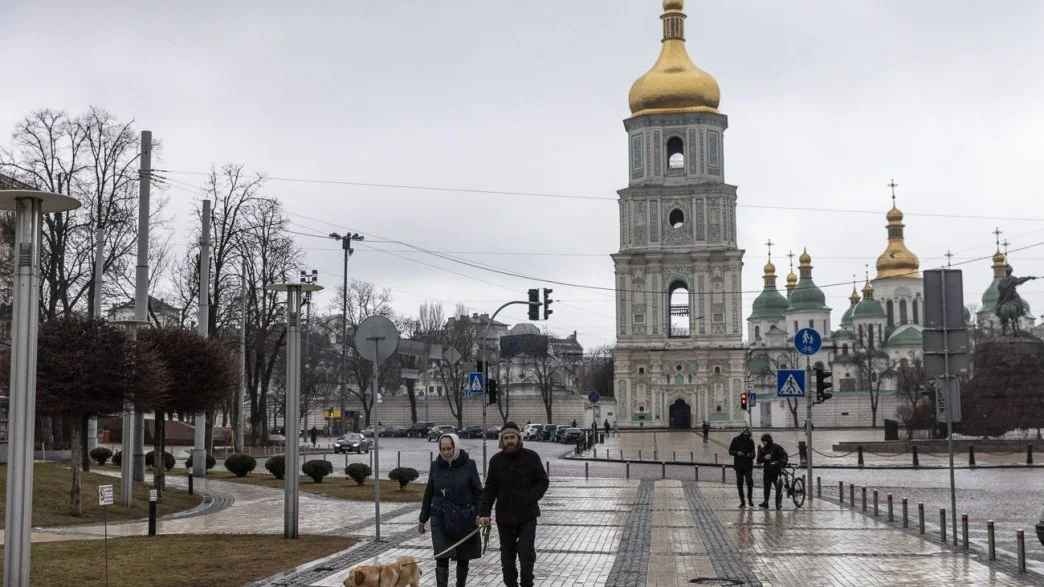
{"x": 679, "y": 357}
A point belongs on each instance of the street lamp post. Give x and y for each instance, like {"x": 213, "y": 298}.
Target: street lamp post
{"x": 291, "y": 497}
{"x": 346, "y": 245}
{"x": 29, "y": 207}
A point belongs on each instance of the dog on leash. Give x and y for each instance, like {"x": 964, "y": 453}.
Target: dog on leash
{"x": 404, "y": 572}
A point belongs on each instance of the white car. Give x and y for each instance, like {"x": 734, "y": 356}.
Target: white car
{"x": 532, "y": 432}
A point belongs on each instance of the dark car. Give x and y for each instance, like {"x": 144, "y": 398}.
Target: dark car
{"x": 437, "y": 431}
{"x": 392, "y": 432}
{"x": 493, "y": 432}
{"x": 471, "y": 432}
{"x": 353, "y": 442}
{"x": 570, "y": 435}
{"x": 419, "y": 430}
{"x": 551, "y": 432}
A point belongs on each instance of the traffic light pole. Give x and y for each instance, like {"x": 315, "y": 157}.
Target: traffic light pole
{"x": 485, "y": 378}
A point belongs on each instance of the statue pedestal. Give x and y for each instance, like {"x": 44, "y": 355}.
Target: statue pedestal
{"x": 1007, "y": 390}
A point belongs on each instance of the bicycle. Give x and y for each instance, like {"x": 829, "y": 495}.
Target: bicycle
{"x": 794, "y": 485}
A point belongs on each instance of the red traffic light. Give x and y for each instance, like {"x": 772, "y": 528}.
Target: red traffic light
{"x": 743, "y": 401}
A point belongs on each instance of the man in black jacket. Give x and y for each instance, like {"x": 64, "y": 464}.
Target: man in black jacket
{"x": 516, "y": 481}
{"x": 774, "y": 458}
{"x": 742, "y": 451}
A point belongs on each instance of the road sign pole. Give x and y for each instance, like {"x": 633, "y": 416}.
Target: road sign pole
{"x": 949, "y": 402}
{"x": 376, "y": 438}
{"x": 808, "y": 426}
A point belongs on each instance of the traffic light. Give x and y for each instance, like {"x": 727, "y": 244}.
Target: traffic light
{"x": 534, "y": 304}
{"x": 491, "y": 392}
{"x": 478, "y": 366}
{"x": 823, "y": 384}
{"x": 743, "y": 401}
{"x": 547, "y": 303}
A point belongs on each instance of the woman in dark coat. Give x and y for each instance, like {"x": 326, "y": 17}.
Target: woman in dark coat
{"x": 453, "y": 493}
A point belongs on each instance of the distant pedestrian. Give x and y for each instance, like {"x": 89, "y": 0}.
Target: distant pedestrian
{"x": 706, "y": 430}
{"x": 607, "y": 427}
{"x": 313, "y": 434}
{"x": 574, "y": 422}
{"x": 773, "y": 457}
{"x": 516, "y": 481}
{"x": 451, "y": 502}
{"x": 742, "y": 451}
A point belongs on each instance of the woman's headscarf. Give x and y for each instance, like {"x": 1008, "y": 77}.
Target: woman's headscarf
{"x": 456, "y": 445}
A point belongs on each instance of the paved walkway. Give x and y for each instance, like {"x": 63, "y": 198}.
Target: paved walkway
{"x": 669, "y": 532}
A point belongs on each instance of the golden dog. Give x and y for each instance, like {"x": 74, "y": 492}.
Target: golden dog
{"x": 404, "y": 572}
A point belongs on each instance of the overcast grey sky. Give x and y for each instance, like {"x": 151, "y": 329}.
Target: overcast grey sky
{"x": 826, "y": 101}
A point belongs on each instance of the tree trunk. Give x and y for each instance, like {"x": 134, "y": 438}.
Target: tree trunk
{"x": 75, "y": 492}
{"x": 159, "y": 441}
{"x": 85, "y": 461}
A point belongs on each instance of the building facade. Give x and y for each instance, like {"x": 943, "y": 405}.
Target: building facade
{"x": 679, "y": 357}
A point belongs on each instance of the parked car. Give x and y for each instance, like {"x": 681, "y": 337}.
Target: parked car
{"x": 533, "y": 432}
{"x": 419, "y": 430}
{"x": 368, "y": 432}
{"x": 570, "y": 435}
{"x": 493, "y": 432}
{"x": 437, "y": 431}
{"x": 392, "y": 432}
{"x": 353, "y": 442}
{"x": 551, "y": 432}
{"x": 471, "y": 432}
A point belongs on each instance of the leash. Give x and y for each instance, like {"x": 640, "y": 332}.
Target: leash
{"x": 463, "y": 540}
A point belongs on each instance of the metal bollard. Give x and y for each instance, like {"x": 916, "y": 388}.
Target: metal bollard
{"x": 964, "y": 531}
{"x": 587, "y": 470}
{"x": 153, "y": 497}
{"x": 715, "y": 458}
{"x": 674, "y": 456}
{"x": 1020, "y": 540}
{"x": 991, "y": 541}
{"x": 627, "y": 471}
{"x": 639, "y": 455}
{"x": 1029, "y": 459}
{"x": 723, "y": 474}
{"x": 942, "y": 524}
{"x": 875, "y": 504}
{"x": 398, "y": 458}
{"x": 860, "y": 449}
{"x": 920, "y": 517}
{"x": 851, "y": 495}
{"x": 891, "y": 511}
{"x": 695, "y": 473}
{"x": 862, "y": 490}
{"x": 548, "y": 468}
{"x": 663, "y": 470}
{"x": 841, "y": 492}
{"x": 655, "y": 455}
{"x": 596, "y": 452}
{"x": 819, "y": 486}
{"x": 190, "y": 483}
{"x": 692, "y": 456}
{"x": 971, "y": 455}
{"x": 906, "y": 514}
{"x": 916, "y": 460}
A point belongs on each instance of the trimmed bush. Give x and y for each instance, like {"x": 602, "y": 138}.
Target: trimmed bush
{"x": 276, "y": 466}
{"x": 168, "y": 459}
{"x": 404, "y": 475}
{"x": 211, "y": 462}
{"x": 317, "y": 469}
{"x": 240, "y": 465}
{"x": 358, "y": 472}
{"x": 101, "y": 455}
{"x": 117, "y": 458}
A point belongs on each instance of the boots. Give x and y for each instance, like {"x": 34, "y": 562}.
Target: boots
{"x": 462, "y": 573}
{"x": 442, "y": 576}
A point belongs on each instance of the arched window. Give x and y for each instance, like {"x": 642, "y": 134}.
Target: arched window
{"x": 902, "y": 312}
{"x": 757, "y": 333}
{"x": 844, "y": 349}
{"x": 676, "y": 218}
{"x": 678, "y": 309}
{"x": 675, "y": 153}
{"x": 891, "y": 312}
{"x": 916, "y": 312}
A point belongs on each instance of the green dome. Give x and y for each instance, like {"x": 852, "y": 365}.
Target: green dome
{"x": 868, "y": 309}
{"x": 807, "y": 296}
{"x": 846, "y": 318}
{"x": 908, "y": 335}
{"x": 769, "y": 305}
{"x": 759, "y": 364}
{"x": 989, "y": 297}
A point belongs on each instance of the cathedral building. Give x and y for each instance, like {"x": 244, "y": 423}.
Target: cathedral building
{"x": 680, "y": 358}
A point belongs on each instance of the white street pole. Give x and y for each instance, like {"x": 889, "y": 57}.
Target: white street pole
{"x": 29, "y": 206}
{"x": 376, "y": 436}
{"x": 199, "y": 445}
{"x": 293, "y": 409}
{"x": 241, "y": 390}
{"x": 99, "y": 264}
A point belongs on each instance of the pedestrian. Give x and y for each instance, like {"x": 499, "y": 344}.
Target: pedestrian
{"x": 515, "y": 481}
{"x": 314, "y": 435}
{"x": 742, "y": 451}
{"x": 451, "y": 501}
{"x": 773, "y": 457}
{"x": 607, "y": 427}
{"x": 574, "y": 422}
{"x": 706, "y": 430}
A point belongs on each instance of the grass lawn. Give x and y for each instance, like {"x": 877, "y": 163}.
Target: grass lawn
{"x": 176, "y": 560}
{"x": 51, "y": 482}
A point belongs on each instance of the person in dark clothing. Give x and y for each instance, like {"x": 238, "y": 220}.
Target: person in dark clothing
{"x": 515, "y": 481}
{"x": 451, "y": 500}
{"x": 742, "y": 451}
{"x": 607, "y": 427}
{"x": 706, "y": 431}
{"x": 574, "y": 422}
{"x": 773, "y": 457}
{"x": 313, "y": 434}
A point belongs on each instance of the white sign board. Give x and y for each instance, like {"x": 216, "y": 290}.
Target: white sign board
{"x": 105, "y": 495}
{"x": 948, "y": 395}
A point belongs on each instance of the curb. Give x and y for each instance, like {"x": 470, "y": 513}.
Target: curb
{"x": 672, "y": 463}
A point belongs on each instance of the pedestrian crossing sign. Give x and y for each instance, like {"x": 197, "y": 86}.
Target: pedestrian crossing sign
{"x": 790, "y": 383}
{"x": 476, "y": 383}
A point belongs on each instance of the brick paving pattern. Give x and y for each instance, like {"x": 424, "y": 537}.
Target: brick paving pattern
{"x": 631, "y": 565}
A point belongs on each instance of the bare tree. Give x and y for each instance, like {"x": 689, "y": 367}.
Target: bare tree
{"x": 460, "y": 333}
{"x": 911, "y": 388}
{"x": 364, "y": 301}
{"x": 874, "y": 369}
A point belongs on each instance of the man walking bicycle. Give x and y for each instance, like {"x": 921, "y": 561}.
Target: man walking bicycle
{"x": 515, "y": 482}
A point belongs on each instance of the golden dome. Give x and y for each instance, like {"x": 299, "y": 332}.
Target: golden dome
{"x": 674, "y": 84}
{"x": 805, "y": 259}
{"x": 868, "y": 291}
{"x": 770, "y": 269}
{"x": 792, "y": 280}
{"x": 897, "y": 260}
{"x": 854, "y": 298}
{"x": 999, "y": 259}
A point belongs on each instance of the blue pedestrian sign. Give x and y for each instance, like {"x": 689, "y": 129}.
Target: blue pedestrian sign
{"x": 476, "y": 383}
{"x": 752, "y": 399}
{"x": 790, "y": 383}
{"x": 807, "y": 341}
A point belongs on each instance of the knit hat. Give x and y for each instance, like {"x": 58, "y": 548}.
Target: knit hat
{"x": 509, "y": 428}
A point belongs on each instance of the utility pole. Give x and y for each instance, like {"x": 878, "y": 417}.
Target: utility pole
{"x": 306, "y": 329}
{"x": 141, "y": 287}
{"x": 29, "y": 207}
{"x": 241, "y": 390}
{"x": 99, "y": 265}
{"x": 346, "y": 245}
{"x": 199, "y": 448}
